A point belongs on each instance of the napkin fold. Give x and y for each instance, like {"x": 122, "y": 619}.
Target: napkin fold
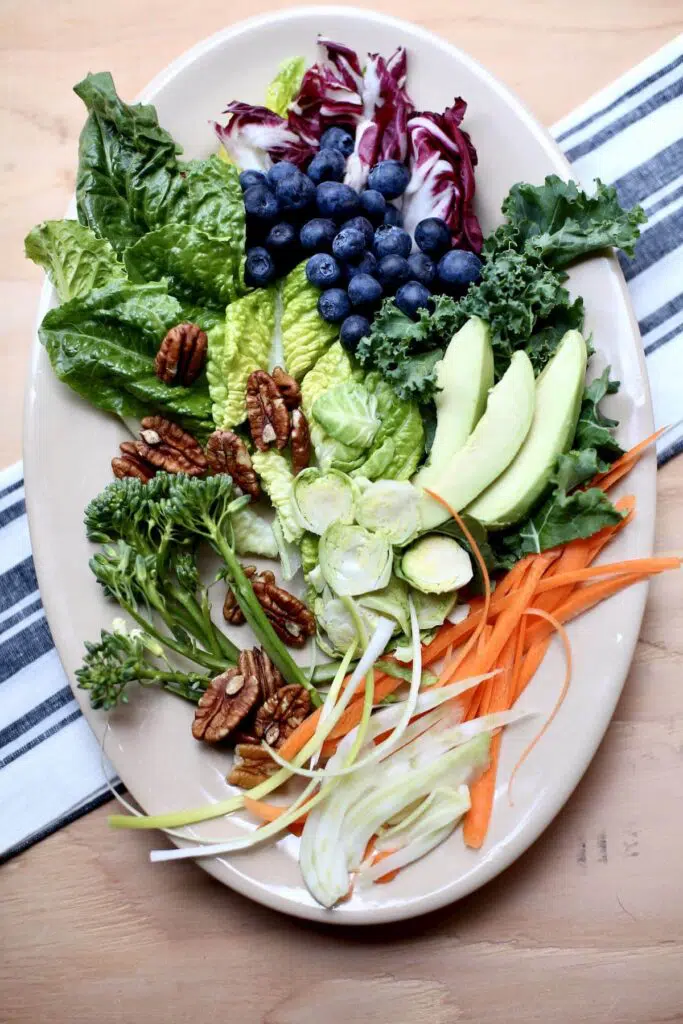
{"x": 629, "y": 135}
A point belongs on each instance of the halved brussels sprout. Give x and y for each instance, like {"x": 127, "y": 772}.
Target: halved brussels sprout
{"x": 319, "y": 499}
{"x": 432, "y": 609}
{"x": 353, "y": 560}
{"x": 436, "y": 564}
{"x": 389, "y": 507}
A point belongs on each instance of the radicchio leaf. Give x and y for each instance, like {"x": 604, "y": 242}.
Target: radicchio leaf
{"x": 382, "y": 133}
{"x": 442, "y": 162}
{"x": 255, "y": 137}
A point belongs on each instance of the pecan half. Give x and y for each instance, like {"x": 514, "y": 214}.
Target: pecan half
{"x": 167, "y": 446}
{"x": 282, "y": 714}
{"x": 301, "y": 441}
{"x": 232, "y": 613}
{"x": 253, "y": 765}
{"x": 229, "y": 698}
{"x": 257, "y": 663}
{"x": 289, "y": 617}
{"x": 226, "y": 452}
{"x": 182, "y": 355}
{"x": 288, "y": 387}
{"x": 267, "y": 412}
{"x": 129, "y": 463}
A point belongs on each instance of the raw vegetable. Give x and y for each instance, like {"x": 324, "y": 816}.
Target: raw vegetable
{"x": 399, "y": 443}
{"x": 432, "y": 609}
{"x": 253, "y": 534}
{"x": 236, "y": 350}
{"x": 285, "y": 85}
{"x": 348, "y": 413}
{"x": 75, "y": 259}
{"x": 319, "y": 499}
{"x": 277, "y": 479}
{"x": 595, "y": 430}
{"x": 353, "y": 560}
{"x": 389, "y": 507}
{"x": 436, "y": 564}
{"x": 391, "y": 602}
{"x": 305, "y": 335}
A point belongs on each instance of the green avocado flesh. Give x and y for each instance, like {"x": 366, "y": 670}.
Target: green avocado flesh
{"x": 558, "y": 401}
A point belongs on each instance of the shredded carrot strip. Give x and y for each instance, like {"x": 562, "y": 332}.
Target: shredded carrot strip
{"x": 529, "y": 665}
{"x": 390, "y": 875}
{"x": 555, "y": 624}
{"x": 582, "y": 600}
{"x": 628, "y": 459}
{"x": 271, "y": 812}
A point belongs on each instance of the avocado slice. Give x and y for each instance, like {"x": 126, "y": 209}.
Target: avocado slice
{"x": 559, "y": 388}
{"x": 489, "y": 449}
{"x": 465, "y": 377}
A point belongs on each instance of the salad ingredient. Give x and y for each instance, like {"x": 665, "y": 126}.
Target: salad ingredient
{"x": 254, "y": 136}
{"x": 226, "y": 452}
{"x": 595, "y": 430}
{"x": 285, "y": 85}
{"x": 412, "y": 297}
{"x": 337, "y": 201}
{"x": 464, "y": 378}
{"x": 559, "y": 389}
{"x": 279, "y": 171}
{"x": 295, "y": 192}
{"x": 349, "y": 244}
{"x": 393, "y": 271}
{"x": 235, "y": 350}
{"x": 491, "y": 447}
{"x": 390, "y": 178}
{"x": 260, "y": 204}
{"x": 165, "y": 446}
{"x": 74, "y": 258}
{"x": 259, "y": 267}
{"x": 103, "y": 345}
{"x": 277, "y": 479}
{"x": 353, "y": 560}
{"x": 267, "y": 413}
{"x": 433, "y": 237}
{"x": 305, "y": 336}
{"x": 300, "y": 441}
{"x": 389, "y": 507}
{"x": 323, "y": 271}
{"x": 364, "y": 225}
{"x": 334, "y": 305}
{"x": 281, "y": 714}
{"x": 327, "y": 165}
{"x": 373, "y": 205}
{"x": 249, "y": 178}
{"x": 228, "y": 699}
{"x": 422, "y": 269}
{"x": 348, "y": 413}
{"x": 253, "y": 534}
{"x": 317, "y": 235}
{"x": 365, "y": 292}
{"x": 289, "y": 617}
{"x": 181, "y": 355}
{"x": 432, "y": 610}
{"x": 320, "y": 499}
{"x": 442, "y": 184}
{"x": 392, "y": 241}
{"x": 399, "y": 442}
{"x": 393, "y": 217}
{"x": 337, "y": 138}
{"x": 457, "y": 269}
{"x": 436, "y": 564}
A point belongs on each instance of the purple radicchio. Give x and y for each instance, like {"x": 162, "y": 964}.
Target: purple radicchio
{"x": 442, "y": 162}
{"x": 254, "y": 138}
{"x": 329, "y": 94}
{"x": 382, "y": 133}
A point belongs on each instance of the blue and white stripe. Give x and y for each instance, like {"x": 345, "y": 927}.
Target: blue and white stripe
{"x": 629, "y": 135}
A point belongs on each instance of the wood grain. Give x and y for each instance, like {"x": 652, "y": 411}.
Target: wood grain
{"x": 588, "y": 926}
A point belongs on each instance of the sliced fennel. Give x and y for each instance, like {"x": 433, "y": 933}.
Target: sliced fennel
{"x": 353, "y": 560}
{"x": 290, "y": 559}
{"x": 319, "y": 499}
{"x": 389, "y": 507}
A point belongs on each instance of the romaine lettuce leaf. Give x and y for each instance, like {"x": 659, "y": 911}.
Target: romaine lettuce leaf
{"x": 285, "y": 85}
{"x": 211, "y": 199}
{"x": 103, "y": 346}
{"x": 253, "y": 534}
{"x": 236, "y": 350}
{"x": 305, "y": 335}
{"x": 348, "y": 413}
{"x": 277, "y": 479}
{"x": 333, "y": 367}
{"x": 401, "y": 427}
{"x": 75, "y": 259}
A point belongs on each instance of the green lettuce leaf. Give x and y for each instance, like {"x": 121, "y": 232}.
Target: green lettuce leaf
{"x": 348, "y": 413}
{"x": 277, "y": 478}
{"x": 236, "y": 350}
{"x": 594, "y": 429}
{"x": 396, "y": 348}
{"x": 560, "y": 223}
{"x": 75, "y": 259}
{"x": 253, "y": 534}
{"x": 399, "y": 444}
{"x": 199, "y": 268}
{"x": 309, "y": 552}
{"x": 335, "y": 366}
{"x": 127, "y": 166}
{"x": 285, "y": 85}
{"x": 432, "y": 609}
{"x": 210, "y": 199}
{"x": 103, "y": 346}
{"x": 305, "y": 335}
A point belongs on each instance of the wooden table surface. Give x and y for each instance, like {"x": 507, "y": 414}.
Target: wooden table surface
{"x": 588, "y": 926}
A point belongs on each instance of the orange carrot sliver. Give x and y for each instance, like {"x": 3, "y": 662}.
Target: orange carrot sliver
{"x": 390, "y": 875}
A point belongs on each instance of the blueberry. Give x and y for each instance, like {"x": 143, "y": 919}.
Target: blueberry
{"x": 337, "y": 138}
{"x": 364, "y": 291}
{"x": 364, "y": 225}
{"x": 317, "y": 235}
{"x": 390, "y": 177}
{"x": 390, "y": 241}
{"x": 260, "y": 269}
{"x": 249, "y": 178}
{"x": 374, "y": 205}
{"x": 260, "y": 204}
{"x": 433, "y": 236}
{"x": 336, "y": 200}
{"x": 327, "y": 165}
{"x": 323, "y": 271}
{"x": 422, "y": 268}
{"x": 366, "y": 265}
{"x": 295, "y": 191}
{"x": 393, "y": 218}
{"x": 281, "y": 240}
{"x": 352, "y": 330}
{"x": 278, "y": 172}
{"x": 334, "y": 305}
{"x": 413, "y": 296}
{"x": 392, "y": 272}
{"x": 457, "y": 269}
{"x": 349, "y": 245}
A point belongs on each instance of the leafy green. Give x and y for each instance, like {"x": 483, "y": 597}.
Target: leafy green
{"x": 403, "y": 350}
{"x": 127, "y": 169}
{"x": 594, "y": 429}
{"x": 305, "y": 335}
{"x": 451, "y": 529}
{"x": 277, "y": 479}
{"x": 236, "y": 350}
{"x": 210, "y": 199}
{"x": 253, "y": 534}
{"x": 309, "y": 552}
{"x": 348, "y": 413}
{"x": 432, "y": 609}
{"x": 560, "y": 223}
{"x": 333, "y": 367}
{"x": 75, "y": 259}
{"x": 103, "y": 346}
{"x": 398, "y": 446}
{"x": 285, "y": 85}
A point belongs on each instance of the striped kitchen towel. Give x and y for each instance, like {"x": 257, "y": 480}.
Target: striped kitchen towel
{"x": 631, "y": 135}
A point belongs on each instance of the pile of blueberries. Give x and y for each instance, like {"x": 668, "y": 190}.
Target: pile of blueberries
{"x": 358, "y": 251}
